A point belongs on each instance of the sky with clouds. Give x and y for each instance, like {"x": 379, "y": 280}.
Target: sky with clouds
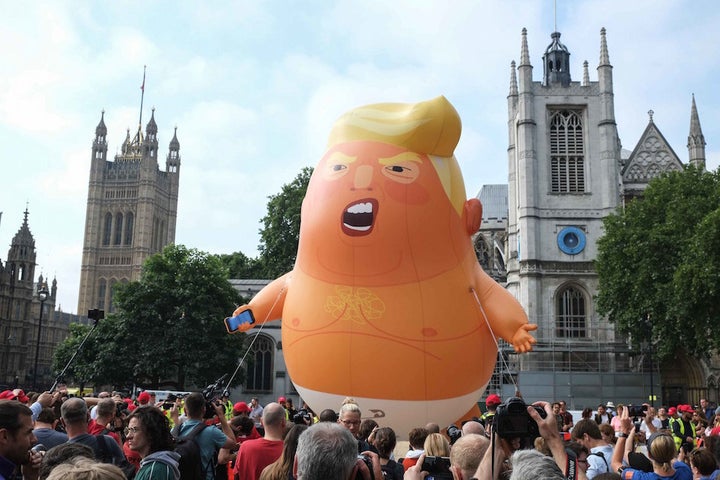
{"x": 253, "y": 88}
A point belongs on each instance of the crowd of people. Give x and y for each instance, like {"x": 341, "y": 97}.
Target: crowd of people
{"x": 53, "y": 436}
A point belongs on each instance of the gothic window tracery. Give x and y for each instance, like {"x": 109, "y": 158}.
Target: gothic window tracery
{"x": 567, "y": 158}
{"x": 129, "y": 220}
{"x": 118, "y": 228}
{"x": 571, "y": 313}
{"x": 260, "y": 372}
{"x": 107, "y": 229}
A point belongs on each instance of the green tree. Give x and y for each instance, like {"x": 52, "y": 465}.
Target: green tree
{"x": 91, "y": 364}
{"x": 168, "y": 326}
{"x": 281, "y": 226}
{"x": 654, "y": 282}
{"x": 240, "y": 265}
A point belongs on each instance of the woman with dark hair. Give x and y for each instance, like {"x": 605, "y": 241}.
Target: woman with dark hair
{"x": 148, "y": 434}
{"x": 384, "y": 440}
{"x": 282, "y": 468}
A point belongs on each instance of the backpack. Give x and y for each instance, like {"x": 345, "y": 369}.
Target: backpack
{"x": 191, "y": 467}
{"x": 392, "y": 471}
{"x": 601, "y": 455}
{"x": 104, "y": 455}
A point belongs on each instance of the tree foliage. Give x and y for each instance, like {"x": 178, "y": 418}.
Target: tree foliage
{"x": 281, "y": 226}
{"x": 168, "y": 327}
{"x": 658, "y": 265}
{"x": 279, "y": 235}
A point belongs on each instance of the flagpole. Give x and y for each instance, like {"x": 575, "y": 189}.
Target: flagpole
{"x": 142, "y": 95}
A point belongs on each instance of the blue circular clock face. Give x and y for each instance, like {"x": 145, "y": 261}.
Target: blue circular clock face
{"x": 571, "y": 240}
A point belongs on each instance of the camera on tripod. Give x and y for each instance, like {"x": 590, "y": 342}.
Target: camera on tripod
{"x": 512, "y": 420}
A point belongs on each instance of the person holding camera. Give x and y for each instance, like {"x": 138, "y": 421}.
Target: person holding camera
{"x": 210, "y": 439}
{"x": 107, "y": 412}
{"x": 661, "y": 452}
{"x": 75, "y": 418}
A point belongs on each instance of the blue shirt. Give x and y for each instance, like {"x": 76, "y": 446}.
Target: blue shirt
{"x": 7, "y": 468}
{"x": 209, "y": 440}
{"x": 682, "y": 472}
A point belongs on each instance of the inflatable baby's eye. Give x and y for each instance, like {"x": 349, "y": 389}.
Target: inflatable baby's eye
{"x": 405, "y": 172}
{"x": 337, "y": 168}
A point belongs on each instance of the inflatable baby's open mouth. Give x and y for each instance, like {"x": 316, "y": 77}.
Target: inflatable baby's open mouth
{"x": 358, "y": 217}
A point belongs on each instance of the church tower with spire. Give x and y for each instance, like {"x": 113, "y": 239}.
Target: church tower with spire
{"x": 20, "y": 309}
{"x": 131, "y": 211}
{"x": 563, "y": 173}
{"x": 696, "y": 140}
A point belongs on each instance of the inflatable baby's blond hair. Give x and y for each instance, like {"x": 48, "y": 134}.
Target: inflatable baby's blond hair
{"x": 431, "y": 127}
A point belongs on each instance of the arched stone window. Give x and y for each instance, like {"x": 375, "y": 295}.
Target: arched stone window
{"x": 118, "y": 228}
{"x": 571, "y": 313}
{"x": 102, "y": 291}
{"x": 129, "y": 220}
{"x": 107, "y": 229}
{"x": 567, "y": 157}
{"x": 260, "y": 371}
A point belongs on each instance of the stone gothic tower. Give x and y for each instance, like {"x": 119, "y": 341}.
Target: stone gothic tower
{"x": 20, "y": 308}
{"x": 563, "y": 171}
{"x": 131, "y": 212}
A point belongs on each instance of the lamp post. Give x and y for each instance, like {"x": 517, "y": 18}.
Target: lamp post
{"x": 42, "y": 295}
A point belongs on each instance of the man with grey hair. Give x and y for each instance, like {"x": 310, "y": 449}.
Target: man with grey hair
{"x": 328, "y": 451}
{"x": 466, "y": 453}
{"x": 533, "y": 465}
{"x": 75, "y": 418}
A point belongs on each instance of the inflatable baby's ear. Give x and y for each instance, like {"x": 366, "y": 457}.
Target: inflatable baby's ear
{"x": 473, "y": 215}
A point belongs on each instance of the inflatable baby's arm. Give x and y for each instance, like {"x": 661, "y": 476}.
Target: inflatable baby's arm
{"x": 265, "y": 306}
{"x": 504, "y": 313}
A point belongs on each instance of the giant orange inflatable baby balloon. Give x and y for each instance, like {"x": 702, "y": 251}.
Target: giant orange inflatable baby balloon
{"x": 387, "y": 302}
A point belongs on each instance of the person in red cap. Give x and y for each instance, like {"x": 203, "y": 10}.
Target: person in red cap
{"x": 240, "y": 408}
{"x": 683, "y": 430}
{"x": 143, "y": 398}
{"x": 491, "y": 402}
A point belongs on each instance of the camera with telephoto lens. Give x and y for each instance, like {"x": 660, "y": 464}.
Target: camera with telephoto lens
{"x": 512, "y": 420}
{"x": 368, "y": 463}
{"x": 212, "y": 394}
{"x": 302, "y": 417}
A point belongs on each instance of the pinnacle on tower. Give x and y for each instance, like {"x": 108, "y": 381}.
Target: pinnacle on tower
{"x": 604, "y": 55}
{"x": 513, "y": 79}
{"x": 524, "y": 51}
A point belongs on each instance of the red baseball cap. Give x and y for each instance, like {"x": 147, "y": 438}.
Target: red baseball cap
{"x": 281, "y": 399}
{"x": 241, "y": 407}
{"x": 492, "y": 399}
{"x": 143, "y": 398}
{"x": 20, "y": 396}
{"x": 672, "y": 411}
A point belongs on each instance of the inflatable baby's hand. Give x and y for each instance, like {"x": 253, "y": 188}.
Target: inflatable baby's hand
{"x": 522, "y": 341}
{"x": 242, "y": 320}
